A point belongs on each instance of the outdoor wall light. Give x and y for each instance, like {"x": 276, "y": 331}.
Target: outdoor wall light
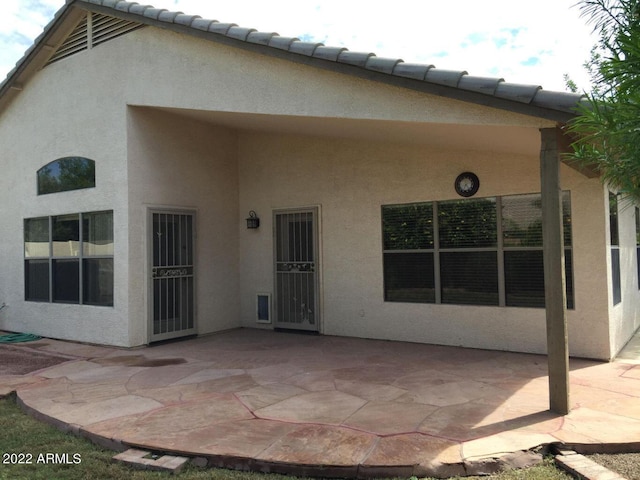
{"x": 253, "y": 221}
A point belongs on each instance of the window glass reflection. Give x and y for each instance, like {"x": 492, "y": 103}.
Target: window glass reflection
{"x": 97, "y": 233}
{"x": 66, "y": 235}
{"x": 36, "y": 237}
{"x": 70, "y": 173}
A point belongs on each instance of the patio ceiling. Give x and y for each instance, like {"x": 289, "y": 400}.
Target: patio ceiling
{"x": 510, "y": 139}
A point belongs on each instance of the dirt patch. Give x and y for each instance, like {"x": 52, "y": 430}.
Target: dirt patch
{"x": 17, "y": 362}
{"x": 138, "y": 361}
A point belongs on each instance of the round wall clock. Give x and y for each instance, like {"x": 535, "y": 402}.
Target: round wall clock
{"x": 467, "y": 184}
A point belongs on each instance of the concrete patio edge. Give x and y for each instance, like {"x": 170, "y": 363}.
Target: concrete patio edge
{"x": 567, "y": 457}
{"x": 484, "y": 466}
{"x": 329, "y": 406}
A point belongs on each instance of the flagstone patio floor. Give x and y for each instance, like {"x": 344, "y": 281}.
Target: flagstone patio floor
{"x": 329, "y": 406}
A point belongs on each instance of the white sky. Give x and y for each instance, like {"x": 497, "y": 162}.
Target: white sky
{"x": 520, "y": 41}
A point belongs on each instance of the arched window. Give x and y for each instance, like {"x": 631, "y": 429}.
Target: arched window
{"x": 69, "y": 173}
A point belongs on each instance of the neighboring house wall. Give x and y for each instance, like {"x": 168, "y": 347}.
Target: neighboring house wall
{"x": 624, "y": 316}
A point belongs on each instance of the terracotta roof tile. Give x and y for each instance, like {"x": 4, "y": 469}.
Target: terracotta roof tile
{"x": 261, "y": 38}
{"x": 168, "y": 16}
{"x": 304, "y": 48}
{"x": 201, "y": 24}
{"x": 240, "y": 33}
{"x": 416, "y": 71}
{"x": 282, "y": 43}
{"x": 153, "y": 13}
{"x": 138, "y": 9}
{"x": 380, "y": 64}
{"x": 359, "y": 59}
{"x": 450, "y": 78}
{"x": 328, "y": 53}
{"x": 186, "y": 20}
{"x": 124, "y": 6}
{"x": 221, "y": 28}
{"x": 517, "y": 91}
{"x": 485, "y": 85}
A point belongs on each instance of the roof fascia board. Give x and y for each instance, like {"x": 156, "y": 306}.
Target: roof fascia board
{"x": 395, "y": 80}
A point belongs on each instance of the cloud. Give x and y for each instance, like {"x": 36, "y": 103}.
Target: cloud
{"x": 530, "y": 62}
{"x": 513, "y": 31}
{"x": 461, "y": 35}
{"x": 20, "y": 23}
{"x": 16, "y": 38}
{"x": 500, "y": 42}
{"x": 476, "y": 38}
{"x": 306, "y": 37}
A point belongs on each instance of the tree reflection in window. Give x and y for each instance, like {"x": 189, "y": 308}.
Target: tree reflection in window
{"x": 69, "y": 173}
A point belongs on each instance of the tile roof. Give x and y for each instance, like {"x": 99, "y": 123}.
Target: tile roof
{"x": 452, "y": 83}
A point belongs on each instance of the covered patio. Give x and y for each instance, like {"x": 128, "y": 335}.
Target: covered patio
{"x": 329, "y": 406}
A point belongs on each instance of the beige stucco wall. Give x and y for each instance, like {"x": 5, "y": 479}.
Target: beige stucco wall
{"x": 184, "y": 164}
{"x": 230, "y": 149}
{"x": 350, "y": 180}
{"x": 216, "y": 77}
{"x": 51, "y": 119}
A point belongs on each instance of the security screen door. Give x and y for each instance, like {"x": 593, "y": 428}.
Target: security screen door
{"x": 296, "y": 267}
{"x": 172, "y": 275}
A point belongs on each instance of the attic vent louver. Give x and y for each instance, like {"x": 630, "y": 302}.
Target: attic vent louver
{"x": 93, "y": 29}
{"x": 74, "y": 43}
{"x": 105, "y": 28}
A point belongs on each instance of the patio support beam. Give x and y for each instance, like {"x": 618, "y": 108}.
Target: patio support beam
{"x": 554, "y": 278}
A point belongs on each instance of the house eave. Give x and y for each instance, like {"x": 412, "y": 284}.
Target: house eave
{"x": 477, "y": 90}
{"x": 445, "y": 91}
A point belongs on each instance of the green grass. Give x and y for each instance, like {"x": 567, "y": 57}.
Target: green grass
{"x": 20, "y": 433}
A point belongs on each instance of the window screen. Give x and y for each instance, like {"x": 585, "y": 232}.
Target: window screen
{"x": 524, "y": 278}
{"x": 522, "y": 221}
{"x": 36, "y": 279}
{"x": 467, "y": 223}
{"x": 408, "y": 239}
{"x": 408, "y": 227}
{"x": 477, "y": 245}
{"x": 615, "y": 276}
{"x": 36, "y": 237}
{"x": 613, "y": 219}
{"x": 97, "y": 277}
{"x": 638, "y": 244}
{"x": 523, "y": 252}
{"x": 469, "y": 278}
{"x": 69, "y": 258}
{"x": 66, "y": 280}
{"x": 409, "y": 277}
{"x": 616, "y": 280}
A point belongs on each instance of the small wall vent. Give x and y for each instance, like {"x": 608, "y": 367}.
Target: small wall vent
{"x": 263, "y": 308}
